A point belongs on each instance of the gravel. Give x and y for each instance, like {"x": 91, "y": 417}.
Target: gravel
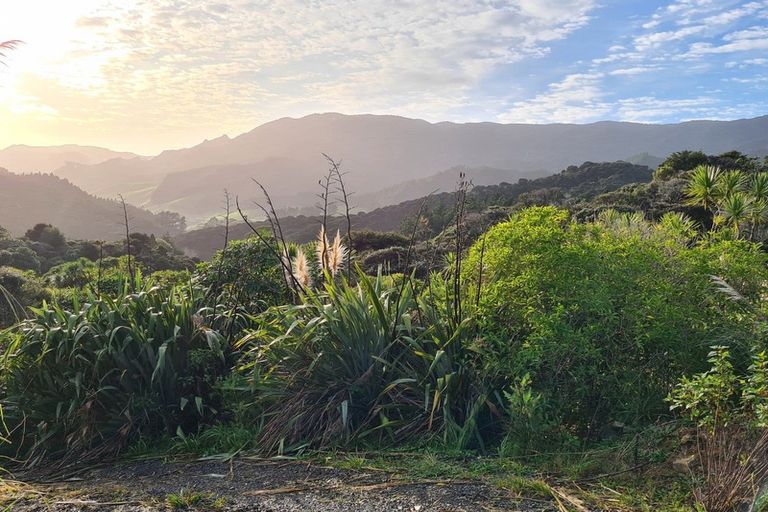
{"x": 256, "y": 486}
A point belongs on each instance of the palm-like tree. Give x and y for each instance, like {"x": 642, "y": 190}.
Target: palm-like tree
{"x": 758, "y": 189}
{"x": 703, "y": 187}
{"x": 735, "y": 209}
{"x": 758, "y": 214}
{"x": 6, "y": 46}
{"x": 731, "y": 182}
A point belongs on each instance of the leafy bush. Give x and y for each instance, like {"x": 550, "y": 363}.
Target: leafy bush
{"x": 359, "y": 363}
{"x": 18, "y": 291}
{"x": 72, "y": 274}
{"x": 730, "y": 409}
{"x": 247, "y": 273}
{"x": 82, "y": 384}
{"x": 604, "y": 317}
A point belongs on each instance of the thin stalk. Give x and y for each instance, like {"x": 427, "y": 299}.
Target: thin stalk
{"x": 286, "y": 266}
{"x": 128, "y": 244}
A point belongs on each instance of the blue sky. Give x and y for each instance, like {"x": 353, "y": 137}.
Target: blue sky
{"x": 146, "y": 75}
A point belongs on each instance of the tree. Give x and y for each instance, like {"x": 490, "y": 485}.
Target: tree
{"x": 734, "y": 210}
{"x": 247, "y": 273}
{"x": 679, "y": 162}
{"x": 731, "y": 182}
{"x": 702, "y": 189}
{"x": 172, "y": 221}
{"x": 47, "y": 234}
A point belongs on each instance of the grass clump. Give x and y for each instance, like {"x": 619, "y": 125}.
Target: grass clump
{"x": 85, "y": 383}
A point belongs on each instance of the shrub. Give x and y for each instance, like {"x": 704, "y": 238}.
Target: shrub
{"x": 72, "y": 274}
{"x": 730, "y": 410}
{"x": 83, "y": 384}
{"x": 360, "y": 364}
{"x": 247, "y": 273}
{"x": 18, "y": 291}
{"x": 604, "y": 317}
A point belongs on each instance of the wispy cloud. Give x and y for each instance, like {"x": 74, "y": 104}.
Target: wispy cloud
{"x": 654, "y": 71}
{"x": 151, "y": 74}
{"x": 229, "y": 64}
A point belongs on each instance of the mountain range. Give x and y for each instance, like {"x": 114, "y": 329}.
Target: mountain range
{"x": 29, "y": 199}
{"x": 388, "y": 158}
{"x": 21, "y": 158}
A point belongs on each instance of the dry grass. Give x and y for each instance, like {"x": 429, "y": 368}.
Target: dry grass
{"x": 734, "y": 463}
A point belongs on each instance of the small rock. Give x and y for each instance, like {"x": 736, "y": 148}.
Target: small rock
{"x": 684, "y": 463}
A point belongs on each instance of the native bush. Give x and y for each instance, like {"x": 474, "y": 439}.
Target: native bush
{"x": 729, "y": 408}
{"x": 18, "y": 291}
{"x": 247, "y": 273}
{"x": 604, "y": 317}
{"x": 84, "y": 383}
{"x": 364, "y": 363}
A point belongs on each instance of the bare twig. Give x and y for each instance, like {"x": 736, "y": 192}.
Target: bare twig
{"x": 277, "y": 230}
{"x": 336, "y": 167}
{"x": 461, "y": 202}
{"x": 325, "y": 184}
{"x": 101, "y": 263}
{"x": 220, "y": 268}
{"x": 411, "y": 243}
{"x": 283, "y": 263}
{"x": 480, "y": 273}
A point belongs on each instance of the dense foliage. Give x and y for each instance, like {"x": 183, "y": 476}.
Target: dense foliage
{"x": 605, "y": 317}
{"x": 85, "y": 383}
{"x": 547, "y": 316}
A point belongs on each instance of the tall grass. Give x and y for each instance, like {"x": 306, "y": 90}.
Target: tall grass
{"x": 360, "y": 363}
{"x": 83, "y": 383}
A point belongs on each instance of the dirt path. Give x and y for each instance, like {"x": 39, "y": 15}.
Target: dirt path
{"x": 253, "y": 485}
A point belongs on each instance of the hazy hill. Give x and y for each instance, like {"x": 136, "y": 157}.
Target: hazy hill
{"x": 28, "y": 199}
{"x": 384, "y": 151}
{"x": 444, "y": 181}
{"x": 585, "y": 181}
{"x": 21, "y": 158}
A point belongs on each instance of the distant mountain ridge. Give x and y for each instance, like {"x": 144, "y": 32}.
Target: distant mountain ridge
{"x": 386, "y": 152}
{"x": 574, "y": 182}
{"x": 29, "y": 199}
{"x": 21, "y": 158}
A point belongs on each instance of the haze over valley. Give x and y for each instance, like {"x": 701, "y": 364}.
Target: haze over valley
{"x": 388, "y": 159}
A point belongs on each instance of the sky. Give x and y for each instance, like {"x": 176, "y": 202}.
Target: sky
{"x": 148, "y": 75}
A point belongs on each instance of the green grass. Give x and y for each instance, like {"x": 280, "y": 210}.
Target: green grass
{"x": 655, "y": 487}
{"x": 186, "y": 500}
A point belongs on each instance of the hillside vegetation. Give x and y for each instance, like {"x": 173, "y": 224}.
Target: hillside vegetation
{"x": 570, "y": 185}
{"x": 29, "y": 199}
{"x": 386, "y": 151}
{"x": 530, "y": 335}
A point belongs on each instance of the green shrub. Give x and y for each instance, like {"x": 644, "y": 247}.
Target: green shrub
{"x": 358, "y": 364}
{"x": 247, "y": 273}
{"x": 84, "y": 383}
{"x": 729, "y": 407}
{"x": 72, "y": 274}
{"x": 604, "y": 317}
{"x": 18, "y": 291}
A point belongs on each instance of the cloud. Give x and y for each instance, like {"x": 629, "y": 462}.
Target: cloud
{"x": 656, "y": 39}
{"x": 158, "y": 73}
{"x": 228, "y": 63}
{"x": 638, "y": 70}
{"x": 680, "y": 41}
{"x": 577, "y": 98}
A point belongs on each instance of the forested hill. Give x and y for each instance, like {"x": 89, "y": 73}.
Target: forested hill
{"x": 575, "y": 182}
{"x": 29, "y": 199}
